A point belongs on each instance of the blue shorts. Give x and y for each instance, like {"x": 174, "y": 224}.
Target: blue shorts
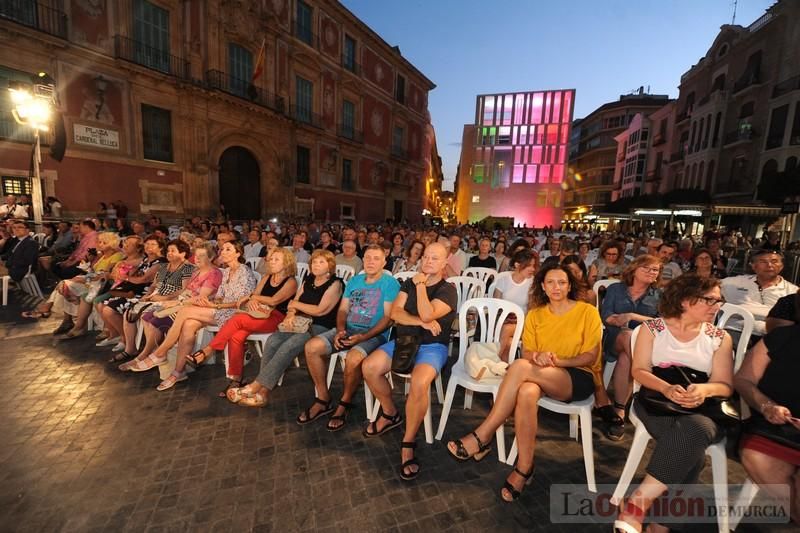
{"x": 434, "y": 355}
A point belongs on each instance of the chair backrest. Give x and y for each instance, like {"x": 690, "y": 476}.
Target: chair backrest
{"x": 492, "y": 314}
{"x": 39, "y": 238}
{"x": 257, "y": 276}
{"x": 302, "y": 271}
{"x": 174, "y": 232}
{"x": 731, "y": 265}
{"x": 484, "y": 274}
{"x": 253, "y": 262}
{"x": 345, "y": 272}
{"x": 491, "y": 289}
{"x": 730, "y": 310}
{"x": 602, "y": 284}
{"x": 402, "y": 276}
{"x": 467, "y": 287}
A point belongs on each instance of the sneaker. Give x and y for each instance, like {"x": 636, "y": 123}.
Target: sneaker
{"x": 101, "y": 336}
{"x": 119, "y": 347}
{"x": 109, "y": 342}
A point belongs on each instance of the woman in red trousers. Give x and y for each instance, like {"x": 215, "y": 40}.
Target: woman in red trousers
{"x": 271, "y": 296}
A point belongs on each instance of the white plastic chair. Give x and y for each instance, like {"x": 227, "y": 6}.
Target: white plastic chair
{"x": 302, "y": 271}
{"x": 748, "y": 322}
{"x": 402, "y": 276}
{"x": 253, "y": 262}
{"x": 731, "y": 265}
{"x": 492, "y": 314}
{"x": 482, "y": 273}
{"x": 719, "y": 458}
{"x": 608, "y": 367}
{"x": 6, "y": 281}
{"x": 345, "y": 272}
{"x": 428, "y": 420}
{"x": 466, "y": 287}
{"x": 743, "y": 501}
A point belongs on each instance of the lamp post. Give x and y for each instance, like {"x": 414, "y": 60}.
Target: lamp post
{"x": 33, "y": 107}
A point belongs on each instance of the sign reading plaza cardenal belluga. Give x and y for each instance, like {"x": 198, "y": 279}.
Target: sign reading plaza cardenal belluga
{"x": 97, "y": 137}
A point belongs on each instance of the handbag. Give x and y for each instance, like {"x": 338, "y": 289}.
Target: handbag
{"x": 482, "y": 361}
{"x": 136, "y": 310}
{"x": 299, "y": 324}
{"x": 406, "y": 346}
{"x": 720, "y": 410}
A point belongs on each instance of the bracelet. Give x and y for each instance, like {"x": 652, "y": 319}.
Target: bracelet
{"x": 765, "y": 405}
{"x": 419, "y": 283}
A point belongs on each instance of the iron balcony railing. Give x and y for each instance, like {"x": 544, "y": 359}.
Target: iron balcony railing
{"x": 304, "y": 115}
{"x": 304, "y": 34}
{"x": 748, "y": 79}
{"x": 739, "y": 135}
{"x": 786, "y": 86}
{"x": 399, "y": 152}
{"x": 35, "y": 15}
{"x": 150, "y": 57}
{"x": 221, "y": 81}
{"x": 351, "y": 65}
{"x": 349, "y": 132}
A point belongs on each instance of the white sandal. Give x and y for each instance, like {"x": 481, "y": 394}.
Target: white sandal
{"x": 174, "y": 378}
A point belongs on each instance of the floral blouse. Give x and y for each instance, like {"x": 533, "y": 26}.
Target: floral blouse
{"x": 232, "y": 288}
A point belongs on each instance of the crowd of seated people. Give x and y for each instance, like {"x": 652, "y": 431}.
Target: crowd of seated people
{"x": 670, "y": 289}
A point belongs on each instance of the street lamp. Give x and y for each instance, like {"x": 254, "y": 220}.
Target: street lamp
{"x": 33, "y": 107}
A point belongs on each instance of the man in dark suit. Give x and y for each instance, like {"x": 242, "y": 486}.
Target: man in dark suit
{"x": 20, "y": 253}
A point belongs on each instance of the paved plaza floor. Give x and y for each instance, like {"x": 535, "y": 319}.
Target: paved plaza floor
{"x": 84, "y": 447}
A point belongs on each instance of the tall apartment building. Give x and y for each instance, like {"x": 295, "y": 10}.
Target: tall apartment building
{"x": 593, "y": 151}
{"x": 514, "y": 157}
{"x": 159, "y": 111}
{"x": 738, "y": 113}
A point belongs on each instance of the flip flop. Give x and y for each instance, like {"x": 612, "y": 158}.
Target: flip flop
{"x": 72, "y": 334}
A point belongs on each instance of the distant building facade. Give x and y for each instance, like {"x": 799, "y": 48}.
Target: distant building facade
{"x": 159, "y": 111}
{"x": 514, "y": 157}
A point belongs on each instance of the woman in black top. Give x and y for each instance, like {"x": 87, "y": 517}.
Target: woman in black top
{"x": 483, "y": 259}
{"x": 269, "y": 302}
{"x": 767, "y": 381}
{"x": 425, "y": 308}
{"x": 318, "y": 299}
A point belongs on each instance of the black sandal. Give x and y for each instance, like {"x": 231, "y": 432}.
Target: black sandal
{"x": 326, "y": 410}
{"x": 232, "y": 384}
{"x": 411, "y": 462}
{"x": 462, "y": 454}
{"x": 394, "y": 421}
{"x": 196, "y": 359}
{"x": 121, "y": 357}
{"x": 615, "y": 426}
{"x": 510, "y": 488}
{"x": 343, "y": 417}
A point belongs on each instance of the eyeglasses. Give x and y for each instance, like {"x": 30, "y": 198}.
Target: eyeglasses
{"x": 651, "y": 270}
{"x": 709, "y": 301}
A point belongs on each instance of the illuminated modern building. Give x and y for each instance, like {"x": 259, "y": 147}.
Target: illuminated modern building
{"x": 514, "y": 157}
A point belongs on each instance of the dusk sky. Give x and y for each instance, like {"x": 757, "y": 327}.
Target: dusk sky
{"x": 601, "y": 48}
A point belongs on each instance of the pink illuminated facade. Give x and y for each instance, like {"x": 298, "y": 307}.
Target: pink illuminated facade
{"x": 514, "y": 157}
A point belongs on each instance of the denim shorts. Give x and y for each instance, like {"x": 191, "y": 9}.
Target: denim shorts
{"x": 365, "y": 347}
{"x": 434, "y": 355}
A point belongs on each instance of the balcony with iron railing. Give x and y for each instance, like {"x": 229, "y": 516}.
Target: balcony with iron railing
{"x": 304, "y": 34}
{"x": 399, "y": 152}
{"x": 739, "y": 135}
{"x": 35, "y": 15}
{"x": 351, "y": 65}
{"x": 748, "y": 79}
{"x": 786, "y": 86}
{"x": 150, "y": 57}
{"x": 304, "y": 115}
{"x": 221, "y": 81}
{"x": 346, "y": 131}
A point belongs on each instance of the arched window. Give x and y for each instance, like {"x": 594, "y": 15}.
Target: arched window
{"x": 710, "y": 176}
{"x": 769, "y": 169}
{"x": 791, "y": 164}
{"x": 700, "y": 184}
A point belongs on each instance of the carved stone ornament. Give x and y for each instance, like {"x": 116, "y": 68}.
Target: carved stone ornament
{"x": 330, "y": 35}
{"x": 414, "y": 141}
{"x": 240, "y": 19}
{"x": 379, "y": 74}
{"x": 376, "y": 122}
{"x": 277, "y": 5}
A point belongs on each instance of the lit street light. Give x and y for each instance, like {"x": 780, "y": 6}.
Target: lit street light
{"x": 33, "y": 104}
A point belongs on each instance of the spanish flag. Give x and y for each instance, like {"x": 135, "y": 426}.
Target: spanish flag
{"x": 258, "y": 69}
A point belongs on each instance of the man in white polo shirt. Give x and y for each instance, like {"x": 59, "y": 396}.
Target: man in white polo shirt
{"x": 757, "y": 292}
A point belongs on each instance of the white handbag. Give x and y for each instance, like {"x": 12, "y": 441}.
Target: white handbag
{"x": 482, "y": 361}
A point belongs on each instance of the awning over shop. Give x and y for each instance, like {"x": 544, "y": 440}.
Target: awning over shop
{"x": 751, "y": 210}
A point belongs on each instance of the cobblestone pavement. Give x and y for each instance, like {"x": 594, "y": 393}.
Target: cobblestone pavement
{"x": 85, "y": 447}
